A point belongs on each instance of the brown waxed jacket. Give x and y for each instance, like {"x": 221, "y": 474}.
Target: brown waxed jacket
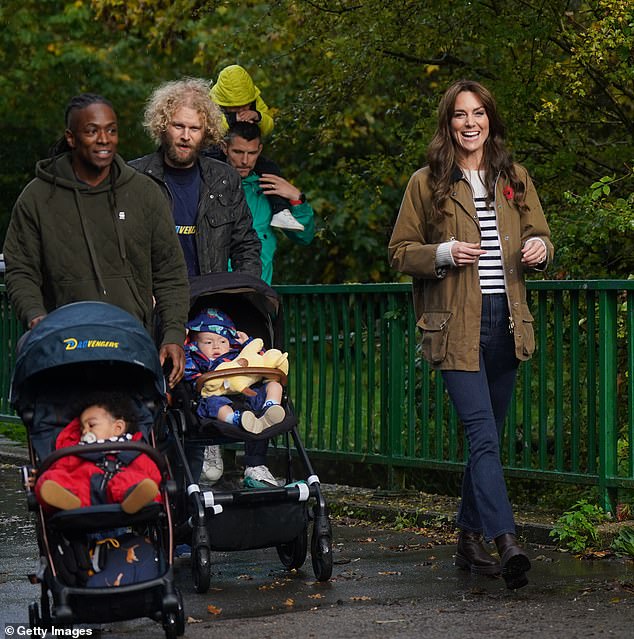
{"x": 448, "y": 301}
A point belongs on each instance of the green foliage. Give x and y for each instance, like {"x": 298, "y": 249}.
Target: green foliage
{"x": 14, "y": 432}
{"x": 576, "y": 529}
{"x": 594, "y": 231}
{"x": 51, "y": 51}
{"x": 355, "y": 87}
{"x": 623, "y": 544}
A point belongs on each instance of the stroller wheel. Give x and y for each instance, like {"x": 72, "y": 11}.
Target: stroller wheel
{"x": 170, "y": 626}
{"x": 180, "y": 615}
{"x": 201, "y": 568}
{"x": 34, "y": 616}
{"x": 321, "y": 555}
{"x": 293, "y": 554}
{"x": 174, "y": 622}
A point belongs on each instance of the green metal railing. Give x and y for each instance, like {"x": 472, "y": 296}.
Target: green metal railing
{"x": 363, "y": 392}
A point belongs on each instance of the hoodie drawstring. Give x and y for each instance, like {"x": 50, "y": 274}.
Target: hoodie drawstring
{"x": 91, "y": 247}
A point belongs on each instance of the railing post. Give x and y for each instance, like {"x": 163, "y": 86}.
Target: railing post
{"x": 608, "y": 430}
{"x": 397, "y": 321}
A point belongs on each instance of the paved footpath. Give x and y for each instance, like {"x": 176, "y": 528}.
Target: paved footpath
{"x": 386, "y": 583}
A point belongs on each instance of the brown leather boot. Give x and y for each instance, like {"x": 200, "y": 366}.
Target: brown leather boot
{"x": 473, "y": 556}
{"x": 514, "y": 561}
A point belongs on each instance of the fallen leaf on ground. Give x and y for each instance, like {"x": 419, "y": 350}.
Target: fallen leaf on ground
{"x": 213, "y": 610}
{"x": 361, "y": 598}
{"x": 192, "y": 620}
{"x": 390, "y": 572}
{"x": 317, "y": 596}
{"x": 289, "y": 603}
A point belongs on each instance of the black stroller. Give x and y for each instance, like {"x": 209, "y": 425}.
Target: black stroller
{"x": 245, "y": 518}
{"x": 78, "y": 349}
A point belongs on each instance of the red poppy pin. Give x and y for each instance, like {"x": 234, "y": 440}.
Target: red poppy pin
{"x": 509, "y": 193}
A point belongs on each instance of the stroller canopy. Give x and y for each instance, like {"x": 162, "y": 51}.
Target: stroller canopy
{"x": 82, "y": 334}
{"x": 252, "y": 304}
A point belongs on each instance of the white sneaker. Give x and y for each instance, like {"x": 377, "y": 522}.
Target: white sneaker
{"x": 285, "y": 220}
{"x": 259, "y": 476}
{"x": 212, "y": 463}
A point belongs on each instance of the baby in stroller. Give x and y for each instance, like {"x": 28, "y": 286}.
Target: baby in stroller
{"x": 212, "y": 341}
{"x": 130, "y": 479}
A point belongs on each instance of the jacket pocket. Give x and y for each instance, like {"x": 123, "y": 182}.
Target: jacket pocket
{"x": 528, "y": 334}
{"x": 435, "y": 326}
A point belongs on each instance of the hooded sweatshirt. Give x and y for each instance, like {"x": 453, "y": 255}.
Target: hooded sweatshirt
{"x": 234, "y": 88}
{"x": 115, "y": 242}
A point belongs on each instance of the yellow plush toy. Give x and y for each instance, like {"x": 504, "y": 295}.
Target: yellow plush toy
{"x": 250, "y": 356}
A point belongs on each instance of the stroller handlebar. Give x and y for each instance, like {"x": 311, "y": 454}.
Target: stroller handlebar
{"x": 250, "y": 371}
{"x": 107, "y": 447}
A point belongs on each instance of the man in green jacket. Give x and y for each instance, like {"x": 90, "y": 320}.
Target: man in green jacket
{"x": 89, "y": 227}
{"x": 242, "y": 146}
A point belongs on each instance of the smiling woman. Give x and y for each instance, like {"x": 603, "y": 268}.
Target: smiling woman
{"x": 469, "y": 225}
{"x": 470, "y": 129}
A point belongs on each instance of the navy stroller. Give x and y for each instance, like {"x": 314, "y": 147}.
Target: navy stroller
{"x": 78, "y": 349}
{"x": 245, "y": 518}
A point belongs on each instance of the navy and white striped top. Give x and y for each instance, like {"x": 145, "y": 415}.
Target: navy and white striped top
{"x": 490, "y": 266}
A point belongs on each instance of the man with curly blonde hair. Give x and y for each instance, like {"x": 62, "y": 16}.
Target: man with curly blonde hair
{"x": 211, "y": 216}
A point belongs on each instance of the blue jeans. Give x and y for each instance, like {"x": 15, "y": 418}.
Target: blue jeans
{"x": 481, "y": 400}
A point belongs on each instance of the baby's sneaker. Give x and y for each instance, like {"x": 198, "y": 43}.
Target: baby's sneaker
{"x": 141, "y": 495}
{"x": 273, "y": 414}
{"x": 56, "y": 495}
{"x": 251, "y": 423}
{"x": 285, "y": 220}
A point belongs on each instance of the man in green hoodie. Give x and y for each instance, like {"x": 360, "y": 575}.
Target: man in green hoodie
{"x": 89, "y": 227}
{"x": 242, "y": 146}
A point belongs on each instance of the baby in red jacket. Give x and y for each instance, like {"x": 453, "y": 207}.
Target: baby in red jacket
{"x": 128, "y": 478}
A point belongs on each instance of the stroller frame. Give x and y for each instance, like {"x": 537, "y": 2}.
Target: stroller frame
{"x": 51, "y": 359}
{"x": 265, "y": 517}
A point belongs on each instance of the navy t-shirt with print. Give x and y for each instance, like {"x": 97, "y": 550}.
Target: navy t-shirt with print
{"x": 184, "y": 185}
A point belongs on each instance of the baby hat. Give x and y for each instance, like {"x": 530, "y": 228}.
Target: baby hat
{"x": 211, "y": 320}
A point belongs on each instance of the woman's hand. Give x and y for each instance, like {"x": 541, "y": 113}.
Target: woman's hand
{"x": 534, "y": 252}
{"x": 465, "y": 253}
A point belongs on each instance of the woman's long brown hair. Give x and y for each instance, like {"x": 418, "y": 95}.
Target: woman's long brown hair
{"x": 442, "y": 156}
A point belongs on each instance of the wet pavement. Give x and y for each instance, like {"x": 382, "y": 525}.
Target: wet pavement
{"x": 385, "y": 583}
